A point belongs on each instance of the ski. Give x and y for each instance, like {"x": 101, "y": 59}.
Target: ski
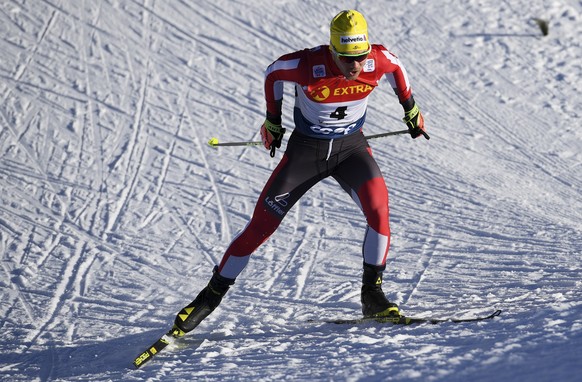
{"x": 174, "y": 333}
{"x": 158, "y": 346}
{"x": 405, "y": 320}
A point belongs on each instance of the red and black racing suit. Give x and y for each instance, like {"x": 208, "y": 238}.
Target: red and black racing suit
{"x": 329, "y": 114}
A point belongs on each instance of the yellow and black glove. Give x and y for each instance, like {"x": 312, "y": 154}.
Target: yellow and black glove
{"x": 272, "y": 133}
{"x": 415, "y": 122}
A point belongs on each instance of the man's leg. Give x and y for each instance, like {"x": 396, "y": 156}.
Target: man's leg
{"x": 287, "y": 184}
{"x": 362, "y": 179}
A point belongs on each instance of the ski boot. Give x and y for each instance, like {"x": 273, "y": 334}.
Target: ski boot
{"x": 207, "y": 300}
{"x": 374, "y": 301}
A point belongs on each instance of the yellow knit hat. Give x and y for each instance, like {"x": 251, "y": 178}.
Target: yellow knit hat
{"x": 348, "y": 32}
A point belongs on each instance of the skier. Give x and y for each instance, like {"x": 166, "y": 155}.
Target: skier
{"x": 332, "y": 85}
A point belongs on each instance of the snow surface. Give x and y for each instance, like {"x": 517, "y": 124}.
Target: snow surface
{"x": 114, "y": 209}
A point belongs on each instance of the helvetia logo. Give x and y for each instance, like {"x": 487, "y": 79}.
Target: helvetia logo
{"x": 352, "y": 39}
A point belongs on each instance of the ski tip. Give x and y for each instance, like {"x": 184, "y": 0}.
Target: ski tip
{"x": 158, "y": 346}
{"x": 142, "y": 358}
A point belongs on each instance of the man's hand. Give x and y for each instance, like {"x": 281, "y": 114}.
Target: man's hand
{"x": 415, "y": 122}
{"x": 272, "y": 135}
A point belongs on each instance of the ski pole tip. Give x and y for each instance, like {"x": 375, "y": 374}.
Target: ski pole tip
{"x": 213, "y": 142}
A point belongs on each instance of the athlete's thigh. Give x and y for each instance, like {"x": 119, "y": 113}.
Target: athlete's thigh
{"x": 357, "y": 170}
{"x": 292, "y": 178}
{"x": 361, "y": 177}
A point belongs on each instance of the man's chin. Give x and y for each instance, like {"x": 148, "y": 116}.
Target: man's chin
{"x": 352, "y": 75}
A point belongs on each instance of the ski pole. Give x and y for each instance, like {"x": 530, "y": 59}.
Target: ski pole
{"x": 374, "y": 136}
{"x": 213, "y": 142}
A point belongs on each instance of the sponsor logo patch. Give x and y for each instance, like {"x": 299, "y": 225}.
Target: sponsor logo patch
{"x": 319, "y": 71}
{"x": 352, "y": 39}
{"x": 369, "y": 66}
{"x": 321, "y": 93}
{"x": 353, "y": 89}
{"x": 282, "y": 199}
{"x": 275, "y": 205}
{"x": 333, "y": 130}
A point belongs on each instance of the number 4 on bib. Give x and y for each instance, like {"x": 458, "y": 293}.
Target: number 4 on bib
{"x": 339, "y": 113}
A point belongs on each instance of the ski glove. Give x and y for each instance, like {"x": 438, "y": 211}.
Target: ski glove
{"x": 415, "y": 122}
{"x": 272, "y": 135}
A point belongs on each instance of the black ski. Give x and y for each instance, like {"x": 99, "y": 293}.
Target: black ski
{"x": 158, "y": 346}
{"x": 404, "y": 320}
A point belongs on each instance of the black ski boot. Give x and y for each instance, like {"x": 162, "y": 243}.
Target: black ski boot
{"x": 374, "y": 301}
{"x": 207, "y": 300}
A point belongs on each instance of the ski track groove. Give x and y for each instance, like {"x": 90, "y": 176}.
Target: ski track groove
{"x": 134, "y": 148}
{"x": 295, "y": 262}
{"x": 150, "y": 10}
{"x": 94, "y": 129}
{"x": 206, "y": 249}
{"x": 28, "y": 310}
{"x": 308, "y": 265}
{"x": 135, "y": 145}
{"x": 258, "y": 34}
{"x": 225, "y": 230}
{"x": 161, "y": 179}
{"x": 65, "y": 291}
{"x": 21, "y": 30}
{"x": 428, "y": 248}
{"x": 49, "y": 248}
{"x": 290, "y": 253}
{"x": 168, "y": 153}
{"x": 42, "y": 173}
{"x": 49, "y": 24}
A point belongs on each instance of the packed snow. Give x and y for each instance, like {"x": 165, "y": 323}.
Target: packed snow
{"x": 115, "y": 209}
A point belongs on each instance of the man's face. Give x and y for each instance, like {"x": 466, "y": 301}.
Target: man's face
{"x": 350, "y": 66}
